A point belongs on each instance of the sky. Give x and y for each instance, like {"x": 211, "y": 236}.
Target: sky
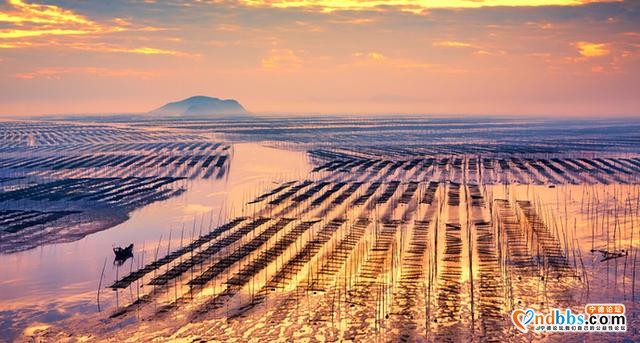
{"x": 459, "y": 57}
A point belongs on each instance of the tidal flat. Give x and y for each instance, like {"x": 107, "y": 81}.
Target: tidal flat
{"x": 403, "y": 228}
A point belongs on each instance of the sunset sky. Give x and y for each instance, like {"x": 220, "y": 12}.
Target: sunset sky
{"x": 514, "y": 57}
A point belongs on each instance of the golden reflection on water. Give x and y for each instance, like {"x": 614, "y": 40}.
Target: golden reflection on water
{"x": 56, "y": 281}
{"x": 446, "y": 317}
{"x": 468, "y": 278}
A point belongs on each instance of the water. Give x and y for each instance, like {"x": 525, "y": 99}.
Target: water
{"x": 53, "y": 282}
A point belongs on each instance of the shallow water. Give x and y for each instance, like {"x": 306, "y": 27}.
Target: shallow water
{"x": 55, "y": 281}
{"x": 457, "y": 268}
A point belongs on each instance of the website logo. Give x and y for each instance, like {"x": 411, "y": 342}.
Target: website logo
{"x": 596, "y": 318}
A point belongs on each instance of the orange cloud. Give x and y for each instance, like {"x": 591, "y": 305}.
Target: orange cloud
{"x": 353, "y": 21}
{"x": 41, "y": 14}
{"x": 149, "y": 51}
{"x": 34, "y": 25}
{"x": 483, "y": 52}
{"x": 5, "y": 34}
{"x": 373, "y": 56}
{"x": 57, "y": 73}
{"x": 452, "y": 44}
{"x": 376, "y": 59}
{"x": 15, "y": 45}
{"x": 404, "y": 5}
{"x": 479, "y": 50}
{"x": 588, "y": 49}
{"x": 33, "y": 20}
{"x": 96, "y": 47}
{"x": 281, "y": 59}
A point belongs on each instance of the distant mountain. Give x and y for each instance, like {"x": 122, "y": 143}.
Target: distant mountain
{"x": 201, "y": 106}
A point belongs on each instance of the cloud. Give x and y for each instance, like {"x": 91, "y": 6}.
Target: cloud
{"x": 353, "y": 21}
{"x": 452, "y": 44}
{"x": 41, "y": 14}
{"x": 96, "y": 47}
{"x": 478, "y": 50}
{"x": 404, "y": 5}
{"x": 58, "y": 73}
{"x": 588, "y": 49}
{"x": 34, "y": 20}
{"x": 483, "y": 52}
{"x": 281, "y": 59}
{"x": 15, "y": 45}
{"x": 121, "y": 49}
{"x": 28, "y": 25}
{"x": 376, "y": 59}
{"x": 151, "y": 51}
{"x": 373, "y": 56}
{"x": 5, "y": 34}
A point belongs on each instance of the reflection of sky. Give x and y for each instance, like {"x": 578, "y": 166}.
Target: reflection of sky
{"x": 54, "y": 282}
{"x": 67, "y": 275}
{"x": 382, "y": 56}
{"x": 609, "y": 280}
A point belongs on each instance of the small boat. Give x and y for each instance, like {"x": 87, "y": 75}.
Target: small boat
{"x": 609, "y": 255}
{"x": 123, "y": 253}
